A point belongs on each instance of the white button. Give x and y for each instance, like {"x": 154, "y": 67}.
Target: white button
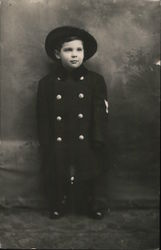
{"x": 58, "y": 78}
{"x": 58, "y": 97}
{"x": 59, "y": 139}
{"x": 80, "y": 116}
{"x": 81, "y": 95}
{"x": 82, "y": 78}
{"x": 81, "y": 137}
{"x": 72, "y": 178}
{"x": 59, "y": 118}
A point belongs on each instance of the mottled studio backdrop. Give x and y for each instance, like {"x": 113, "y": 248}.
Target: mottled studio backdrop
{"x": 128, "y": 37}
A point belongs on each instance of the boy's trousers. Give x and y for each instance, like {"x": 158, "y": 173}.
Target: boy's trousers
{"x": 77, "y": 196}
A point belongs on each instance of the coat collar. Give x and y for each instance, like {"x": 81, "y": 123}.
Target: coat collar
{"x": 77, "y": 74}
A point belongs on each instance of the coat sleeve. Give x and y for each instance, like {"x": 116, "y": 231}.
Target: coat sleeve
{"x": 100, "y": 113}
{"x": 43, "y": 122}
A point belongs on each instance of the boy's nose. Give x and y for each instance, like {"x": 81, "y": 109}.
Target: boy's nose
{"x": 74, "y": 54}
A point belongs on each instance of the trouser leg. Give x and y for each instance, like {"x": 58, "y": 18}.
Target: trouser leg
{"x": 81, "y": 196}
{"x": 87, "y": 195}
{"x": 55, "y": 189}
{"x": 98, "y": 194}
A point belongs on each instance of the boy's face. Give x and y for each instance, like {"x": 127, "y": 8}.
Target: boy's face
{"x": 71, "y": 54}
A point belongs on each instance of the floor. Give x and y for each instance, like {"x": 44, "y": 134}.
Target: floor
{"x": 119, "y": 230}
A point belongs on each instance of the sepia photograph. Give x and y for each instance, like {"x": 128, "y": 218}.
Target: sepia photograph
{"x": 80, "y": 124}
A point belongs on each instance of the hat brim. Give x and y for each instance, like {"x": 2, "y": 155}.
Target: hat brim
{"x": 61, "y": 33}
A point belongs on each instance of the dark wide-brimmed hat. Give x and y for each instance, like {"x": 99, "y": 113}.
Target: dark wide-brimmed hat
{"x": 60, "y": 34}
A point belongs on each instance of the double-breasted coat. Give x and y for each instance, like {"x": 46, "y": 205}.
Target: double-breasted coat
{"x": 72, "y": 123}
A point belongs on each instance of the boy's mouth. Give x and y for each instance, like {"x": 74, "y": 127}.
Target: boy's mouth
{"x": 74, "y": 61}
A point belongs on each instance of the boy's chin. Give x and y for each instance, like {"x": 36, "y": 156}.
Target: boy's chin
{"x": 74, "y": 67}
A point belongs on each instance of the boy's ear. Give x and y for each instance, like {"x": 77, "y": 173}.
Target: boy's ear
{"x": 57, "y": 53}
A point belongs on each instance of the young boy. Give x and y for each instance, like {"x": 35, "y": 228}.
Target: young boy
{"x": 72, "y": 112}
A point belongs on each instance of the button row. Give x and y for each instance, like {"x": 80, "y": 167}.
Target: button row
{"x": 80, "y": 116}
{"x": 59, "y": 97}
{"x": 81, "y": 137}
{"x": 81, "y": 78}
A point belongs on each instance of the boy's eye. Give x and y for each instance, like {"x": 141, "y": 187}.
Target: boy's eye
{"x": 68, "y": 49}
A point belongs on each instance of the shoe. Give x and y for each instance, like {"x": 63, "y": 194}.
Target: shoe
{"x": 98, "y": 214}
{"x": 55, "y": 214}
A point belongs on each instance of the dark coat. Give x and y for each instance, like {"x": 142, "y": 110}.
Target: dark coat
{"x": 72, "y": 123}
